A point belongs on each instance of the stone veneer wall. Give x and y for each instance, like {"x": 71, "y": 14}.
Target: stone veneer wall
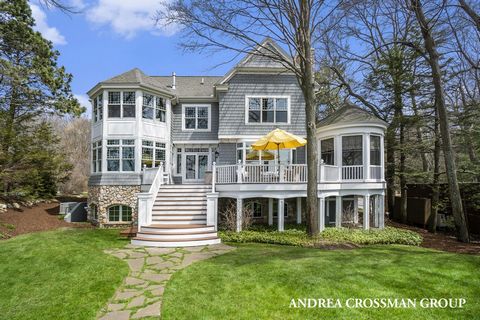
{"x": 106, "y": 196}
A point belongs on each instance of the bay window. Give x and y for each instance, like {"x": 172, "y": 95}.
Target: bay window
{"x": 97, "y": 108}
{"x": 196, "y": 117}
{"x": 267, "y": 110}
{"x": 153, "y": 108}
{"x": 114, "y": 104}
{"x": 121, "y": 155}
{"x": 129, "y": 104}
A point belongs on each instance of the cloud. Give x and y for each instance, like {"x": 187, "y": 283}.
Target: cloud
{"x": 41, "y": 25}
{"x": 84, "y": 102}
{"x": 128, "y": 17}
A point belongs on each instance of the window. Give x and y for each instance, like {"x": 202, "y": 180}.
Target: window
{"x": 94, "y": 211}
{"x": 97, "y": 156}
{"x": 121, "y": 104}
{"x": 121, "y": 155}
{"x": 152, "y": 153}
{"x": 119, "y": 213}
{"x": 114, "y": 104}
{"x": 148, "y": 106}
{"x": 256, "y": 208}
{"x": 179, "y": 160}
{"x": 267, "y": 110}
{"x": 327, "y": 150}
{"x": 375, "y": 159}
{"x": 352, "y": 153}
{"x": 160, "y": 109}
{"x": 98, "y": 108}
{"x": 196, "y": 117}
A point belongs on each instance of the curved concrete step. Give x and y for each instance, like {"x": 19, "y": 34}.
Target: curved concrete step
{"x": 180, "y": 207}
{"x": 172, "y": 236}
{"x": 175, "y": 228}
{"x": 175, "y": 243}
{"x": 177, "y": 221}
{"x": 179, "y": 217}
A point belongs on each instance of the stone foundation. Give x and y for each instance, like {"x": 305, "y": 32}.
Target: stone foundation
{"x": 105, "y": 196}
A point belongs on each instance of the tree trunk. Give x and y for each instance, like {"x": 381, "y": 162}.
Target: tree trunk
{"x": 472, "y": 14}
{"x": 432, "y": 223}
{"x": 308, "y": 88}
{"x": 433, "y": 59}
{"x": 403, "y": 180}
{"x": 419, "y": 134}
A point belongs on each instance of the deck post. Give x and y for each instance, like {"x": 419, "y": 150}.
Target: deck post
{"x": 270, "y": 211}
{"x": 366, "y": 212}
{"x": 381, "y": 211}
{"x": 355, "y": 209}
{"x": 214, "y": 175}
{"x": 376, "y": 210}
{"x": 212, "y": 207}
{"x": 281, "y": 214}
{"x": 299, "y": 210}
{"x": 239, "y": 171}
{"x": 321, "y": 213}
{"x": 239, "y": 214}
{"x": 338, "y": 211}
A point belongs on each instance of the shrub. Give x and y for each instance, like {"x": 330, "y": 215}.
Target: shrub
{"x": 389, "y": 235}
{"x": 299, "y": 238}
{"x": 228, "y": 217}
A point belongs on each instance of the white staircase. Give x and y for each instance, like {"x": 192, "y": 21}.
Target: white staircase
{"x": 179, "y": 218}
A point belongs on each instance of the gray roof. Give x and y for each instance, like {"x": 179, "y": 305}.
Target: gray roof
{"x": 189, "y": 86}
{"x": 350, "y": 114}
{"x": 186, "y": 86}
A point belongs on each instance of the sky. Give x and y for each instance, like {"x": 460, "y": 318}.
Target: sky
{"x": 109, "y": 37}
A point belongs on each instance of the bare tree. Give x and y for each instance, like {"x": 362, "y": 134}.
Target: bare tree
{"x": 240, "y": 26}
{"x": 433, "y": 57}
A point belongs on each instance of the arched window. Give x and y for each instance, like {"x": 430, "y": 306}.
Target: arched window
{"x": 119, "y": 213}
{"x": 94, "y": 211}
{"x": 256, "y": 208}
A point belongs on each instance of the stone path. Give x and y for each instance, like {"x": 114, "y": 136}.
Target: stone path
{"x": 140, "y": 295}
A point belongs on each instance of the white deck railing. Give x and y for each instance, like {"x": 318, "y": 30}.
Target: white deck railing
{"x": 291, "y": 173}
{"x": 146, "y": 199}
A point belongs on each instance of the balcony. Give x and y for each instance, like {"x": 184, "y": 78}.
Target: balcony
{"x": 293, "y": 173}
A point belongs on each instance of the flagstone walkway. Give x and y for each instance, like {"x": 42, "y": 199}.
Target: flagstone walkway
{"x": 140, "y": 295}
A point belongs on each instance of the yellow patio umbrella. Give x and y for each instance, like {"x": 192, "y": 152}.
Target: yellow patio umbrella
{"x": 255, "y": 155}
{"x": 279, "y": 139}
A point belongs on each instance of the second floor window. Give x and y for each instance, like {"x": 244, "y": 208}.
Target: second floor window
{"x": 327, "y": 151}
{"x": 154, "y": 108}
{"x": 352, "y": 151}
{"x": 121, "y": 155}
{"x": 267, "y": 110}
{"x": 97, "y": 108}
{"x": 121, "y": 104}
{"x": 375, "y": 159}
{"x": 196, "y": 117}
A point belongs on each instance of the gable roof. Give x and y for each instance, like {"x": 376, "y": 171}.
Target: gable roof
{"x": 256, "y": 60}
{"x": 350, "y": 114}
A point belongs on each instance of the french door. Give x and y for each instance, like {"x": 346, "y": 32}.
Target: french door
{"x": 195, "y": 165}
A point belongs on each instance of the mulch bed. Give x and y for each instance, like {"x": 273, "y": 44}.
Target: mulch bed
{"x": 42, "y": 217}
{"x": 441, "y": 240}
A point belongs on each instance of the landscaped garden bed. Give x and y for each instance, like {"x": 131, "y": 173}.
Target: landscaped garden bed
{"x": 296, "y": 236}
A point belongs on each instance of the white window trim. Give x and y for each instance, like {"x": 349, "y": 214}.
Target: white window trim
{"x": 154, "y": 148}
{"x": 154, "y": 120}
{"x": 209, "y": 106}
{"x": 120, "y": 146}
{"x": 247, "y": 97}
{"x": 120, "y": 214}
{"x": 121, "y": 105}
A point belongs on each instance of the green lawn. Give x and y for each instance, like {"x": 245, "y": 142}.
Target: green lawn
{"x": 58, "y": 275}
{"x": 258, "y": 281}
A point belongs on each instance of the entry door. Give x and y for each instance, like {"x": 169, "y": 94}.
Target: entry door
{"x": 195, "y": 166}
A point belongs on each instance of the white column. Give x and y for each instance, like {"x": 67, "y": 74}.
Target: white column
{"x": 366, "y": 212}
{"x": 239, "y": 214}
{"x": 338, "y": 211}
{"x": 338, "y": 155}
{"x": 381, "y": 217}
{"x": 355, "y": 209}
{"x": 104, "y": 131}
{"x": 321, "y": 213}
{"x": 270, "y": 211}
{"x": 376, "y": 210}
{"x": 212, "y": 200}
{"x": 366, "y": 156}
{"x": 280, "y": 214}
{"x": 382, "y": 158}
{"x": 139, "y": 130}
{"x": 299, "y": 210}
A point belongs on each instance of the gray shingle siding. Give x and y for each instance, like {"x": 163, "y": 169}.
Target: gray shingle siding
{"x": 179, "y": 135}
{"x": 227, "y": 153}
{"x": 232, "y": 104}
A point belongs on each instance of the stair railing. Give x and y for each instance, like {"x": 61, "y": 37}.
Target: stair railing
{"x": 147, "y": 199}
